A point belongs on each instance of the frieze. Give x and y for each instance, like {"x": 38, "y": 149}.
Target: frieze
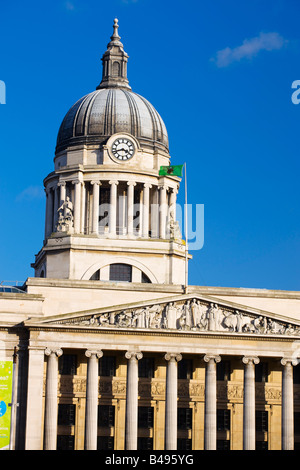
{"x": 191, "y": 315}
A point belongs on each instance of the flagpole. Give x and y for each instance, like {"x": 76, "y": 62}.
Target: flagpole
{"x": 186, "y": 231}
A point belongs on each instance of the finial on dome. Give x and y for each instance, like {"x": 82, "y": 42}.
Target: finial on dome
{"x": 116, "y": 26}
{"x": 114, "y": 61}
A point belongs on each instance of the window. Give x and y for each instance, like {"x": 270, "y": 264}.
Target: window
{"x": 223, "y": 444}
{"x": 261, "y": 372}
{"x": 223, "y": 420}
{"x": 223, "y": 370}
{"x": 184, "y": 418}
{"x": 106, "y": 416}
{"x": 145, "y": 443}
{"x": 145, "y": 279}
{"x": 66, "y": 414}
{"x": 65, "y": 442}
{"x": 120, "y": 272}
{"x": 146, "y": 367}
{"x": 184, "y": 444}
{"x": 296, "y": 374}
{"x": 145, "y": 417}
{"x": 261, "y": 421}
{"x": 107, "y": 366}
{"x": 68, "y": 364}
{"x": 297, "y": 423}
{"x": 105, "y": 443}
{"x": 95, "y": 276}
{"x": 185, "y": 369}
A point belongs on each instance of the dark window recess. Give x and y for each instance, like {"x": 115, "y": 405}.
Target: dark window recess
{"x": 261, "y": 372}
{"x": 185, "y": 369}
{"x": 146, "y": 367}
{"x": 145, "y": 417}
{"x": 296, "y": 374}
{"x": 105, "y": 443}
{"x": 104, "y": 208}
{"x": 107, "y": 366}
{"x": 145, "y": 443}
{"x": 184, "y": 444}
{"x": 68, "y": 364}
{"x": 261, "y": 445}
{"x": 145, "y": 279}
{"x": 120, "y": 272}
{"x": 65, "y": 442}
{"x": 95, "y": 276}
{"x": 223, "y": 444}
{"x": 106, "y": 416}
{"x": 66, "y": 414}
{"x": 297, "y": 423}
{"x": 261, "y": 421}
{"x": 223, "y": 370}
{"x": 184, "y": 418}
{"x": 223, "y": 420}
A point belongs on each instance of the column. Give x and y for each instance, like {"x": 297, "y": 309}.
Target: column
{"x": 130, "y": 206}
{"x": 287, "y": 410}
{"x": 91, "y": 411}
{"x": 171, "y": 401}
{"x": 50, "y": 429}
{"x": 249, "y": 403}
{"x": 77, "y": 206}
{"x": 113, "y": 207}
{"x": 210, "y": 413}
{"x": 49, "y": 212}
{"x": 96, "y": 203}
{"x": 162, "y": 211}
{"x": 83, "y": 208}
{"x": 155, "y": 213}
{"x": 146, "y": 202}
{"x": 172, "y": 212}
{"x": 34, "y": 408}
{"x": 55, "y": 207}
{"x": 131, "y": 417}
{"x": 62, "y": 185}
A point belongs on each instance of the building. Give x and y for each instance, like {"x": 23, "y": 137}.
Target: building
{"x": 113, "y": 350}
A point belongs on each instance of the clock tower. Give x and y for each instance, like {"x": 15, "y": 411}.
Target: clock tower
{"x": 110, "y": 216}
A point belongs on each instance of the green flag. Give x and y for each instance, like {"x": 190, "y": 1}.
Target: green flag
{"x": 175, "y": 170}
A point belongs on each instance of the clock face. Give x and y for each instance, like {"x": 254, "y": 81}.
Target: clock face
{"x": 122, "y": 149}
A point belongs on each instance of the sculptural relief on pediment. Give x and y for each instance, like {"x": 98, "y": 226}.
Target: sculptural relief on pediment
{"x": 188, "y": 315}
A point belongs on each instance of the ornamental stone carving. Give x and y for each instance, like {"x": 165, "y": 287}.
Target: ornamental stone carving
{"x": 193, "y": 315}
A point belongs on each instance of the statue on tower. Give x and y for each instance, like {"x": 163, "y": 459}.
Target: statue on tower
{"x": 65, "y": 216}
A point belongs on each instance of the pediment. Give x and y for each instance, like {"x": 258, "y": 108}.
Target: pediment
{"x": 180, "y": 313}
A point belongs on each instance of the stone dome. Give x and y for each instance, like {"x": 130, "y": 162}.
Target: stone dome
{"x": 113, "y": 107}
{"x": 106, "y": 111}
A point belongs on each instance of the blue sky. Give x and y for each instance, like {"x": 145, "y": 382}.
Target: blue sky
{"x": 219, "y": 73}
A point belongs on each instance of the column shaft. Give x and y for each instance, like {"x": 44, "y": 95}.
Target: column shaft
{"x": 287, "y": 410}
{"x": 146, "y": 202}
{"x": 77, "y": 206}
{"x": 130, "y": 207}
{"x": 113, "y": 208}
{"x": 162, "y": 212}
{"x": 210, "y": 414}
{"x": 171, "y": 401}
{"x": 131, "y": 417}
{"x": 49, "y": 212}
{"x": 91, "y": 412}
{"x": 96, "y": 202}
{"x": 50, "y": 430}
{"x": 249, "y": 403}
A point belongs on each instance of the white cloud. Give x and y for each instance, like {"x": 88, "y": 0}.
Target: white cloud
{"x": 30, "y": 193}
{"x": 249, "y": 48}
